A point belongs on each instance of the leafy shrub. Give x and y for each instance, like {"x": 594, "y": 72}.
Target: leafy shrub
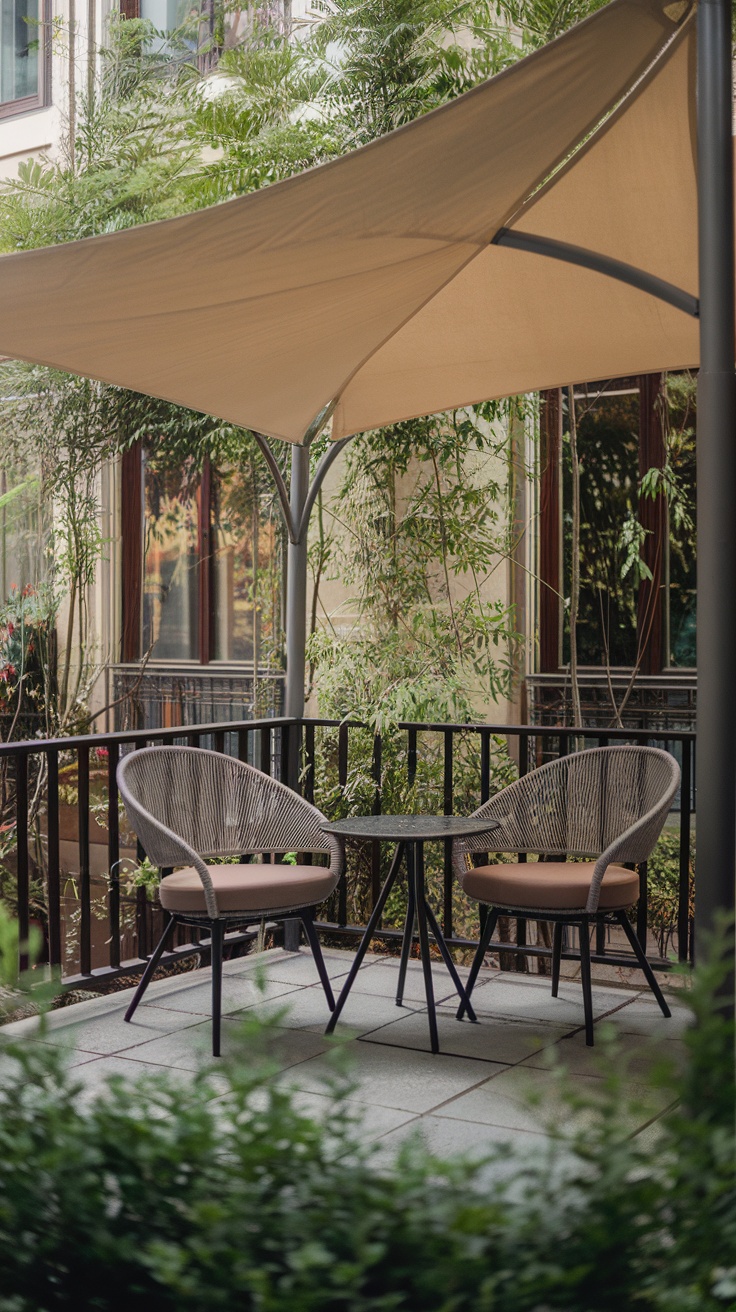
{"x": 663, "y": 887}
{"x": 222, "y": 1194}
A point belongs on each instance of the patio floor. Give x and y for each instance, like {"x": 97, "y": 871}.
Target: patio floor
{"x": 479, "y": 1090}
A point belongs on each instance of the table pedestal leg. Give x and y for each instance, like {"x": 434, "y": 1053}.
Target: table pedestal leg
{"x": 440, "y": 941}
{"x": 407, "y": 941}
{"x": 416, "y": 868}
{"x": 368, "y": 935}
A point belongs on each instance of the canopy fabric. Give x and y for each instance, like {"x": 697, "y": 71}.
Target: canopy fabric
{"x": 372, "y": 284}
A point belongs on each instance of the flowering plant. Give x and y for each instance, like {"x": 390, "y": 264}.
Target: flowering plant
{"x": 26, "y": 621}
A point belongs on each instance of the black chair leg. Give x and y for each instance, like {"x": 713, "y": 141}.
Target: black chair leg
{"x": 217, "y": 936}
{"x": 649, "y": 975}
{"x": 153, "y": 961}
{"x": 314, "y": 943}
{"x": 586, "y": 981}
{"x": 556, "y": 957}
{"x": 485, "y": 939}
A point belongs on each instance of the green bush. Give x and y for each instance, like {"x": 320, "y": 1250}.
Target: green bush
{"x": 663, "y": 888}
{"x": 222, "y": 1194}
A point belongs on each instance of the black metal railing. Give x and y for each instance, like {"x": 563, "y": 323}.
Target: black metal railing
{"x": 46, "y": 787}
{"x": 74, "y": 840}
{"x": 528, "y": 746}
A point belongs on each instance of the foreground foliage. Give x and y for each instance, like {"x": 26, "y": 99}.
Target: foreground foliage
{"x": 223, "y": 1193}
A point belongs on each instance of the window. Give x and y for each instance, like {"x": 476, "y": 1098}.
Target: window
{"x": 627, "y": 617}
{"x": 201, "y": 566}
{"x": 23, "y": 56}
{"x": 170, "y": 615}
{"x": 181, "y": 17}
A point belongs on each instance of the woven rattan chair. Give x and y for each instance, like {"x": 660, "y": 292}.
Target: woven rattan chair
{"x": 186, "y": 805}
{"x": 607, "y": 803}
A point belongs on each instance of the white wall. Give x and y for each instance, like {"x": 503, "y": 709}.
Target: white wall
{"x": 41, "y": 131}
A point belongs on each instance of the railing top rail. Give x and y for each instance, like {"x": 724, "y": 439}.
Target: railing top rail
{"x": 31, "y": 746}
{"x": 540, "y": 730}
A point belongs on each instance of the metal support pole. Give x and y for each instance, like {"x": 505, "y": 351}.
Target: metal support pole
{"x": 296, "y": 588}
{"x": 716, "y": 473}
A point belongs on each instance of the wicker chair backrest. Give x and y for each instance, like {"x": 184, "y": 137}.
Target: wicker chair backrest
{"x": 186, "y": 799}
{"x": 606, "y": 802}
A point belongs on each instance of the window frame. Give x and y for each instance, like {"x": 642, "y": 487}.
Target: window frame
{"x": 650, "y": 601}
{"x": 42, "y": 98}
{"x": 132, "y": 512}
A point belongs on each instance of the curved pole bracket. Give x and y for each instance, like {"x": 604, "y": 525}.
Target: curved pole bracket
{"x": 278, "y": 479}
{"x": 327, "y": 460}
{"x": 585, "y": 259}
{"x": 297, "y": 530}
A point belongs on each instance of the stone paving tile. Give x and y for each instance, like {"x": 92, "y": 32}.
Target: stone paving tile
{"x": 10, "y": 1070}
{"x": 189, "y": 1049}
{"x": 524, "y": 1098}
{"x": 490, "y": 1040}
{"x": 643, "y": 1016}
{"x": 371, "y": 1123}
{"x": 631, "y": 1055}
{"x": 238, "y": 992}
{"x": 298, "y": 968}
{"x": 103, "y": 1034}
{"x": 448, "y": 1138}
{"x": 534, "y": 1001}
{"x": 94, "y": 1075}
{"x": 414, "y": 1082}
{"x": 382, "y": 977}
{"x": 307, "y": 1009}
{"x": 650, "y": 1136}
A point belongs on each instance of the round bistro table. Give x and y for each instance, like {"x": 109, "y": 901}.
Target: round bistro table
{"x": 409, "y": 833}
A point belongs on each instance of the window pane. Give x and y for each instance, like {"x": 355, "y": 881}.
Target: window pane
{"x": 608, "y": 449}
{"x": 170, "y": 573}
{"x": 237, "y": 542}
{"x": 167, "y": 16}
{"x": 25, "y": 529}
{"x": 19, "y": 42}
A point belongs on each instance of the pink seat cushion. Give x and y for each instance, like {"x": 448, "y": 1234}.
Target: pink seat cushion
{"x": 555, "y": 885}
{"x": 248, "y": 887}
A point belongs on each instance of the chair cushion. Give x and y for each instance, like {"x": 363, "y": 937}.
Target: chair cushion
{"x": 555, "y": 885}
{"x": 248, "y": 887}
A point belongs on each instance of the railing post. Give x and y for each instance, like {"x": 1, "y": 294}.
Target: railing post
{"x": 716, "y": 472}
{"x": 448, "y": 805}
{"x": 53, "y": 888}
{"x": 85, "y": 882}
{"x": 683, "y": 907}
{"x": 113, "y": 852}
{"x": 22, "y": 859}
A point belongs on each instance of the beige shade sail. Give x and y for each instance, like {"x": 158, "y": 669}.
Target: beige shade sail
{"x": 373, "y": 283}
